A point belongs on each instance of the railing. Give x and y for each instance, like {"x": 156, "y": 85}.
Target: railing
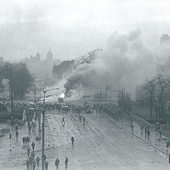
{"x": 140, "y": 120}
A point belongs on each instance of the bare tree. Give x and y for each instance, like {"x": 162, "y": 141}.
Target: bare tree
{"x": 88, "y": 58}
{"x": 150, "y": 87}
{"x": 161, "y": 85}
{"x": 140, "y": 94}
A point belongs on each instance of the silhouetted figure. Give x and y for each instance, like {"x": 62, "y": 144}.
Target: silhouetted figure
{"x": 33, "y": 145}
{"x": 72, "y": 140}
{"x": 38, "y": 161}
{"x": 17, "y": 134}
{"x": 30, "y": 161}
{"x": 33, "y": 164}
{"x": 57, "y": 163}
{"x": 16, "y": 127}
{"x": 132, "y": 127}
{"x": 63, "y": 122}
{"x": 84, "y": 120}
{"x": 160, "y": 133}
{"x": 44, "y": 157}
{"x": 148, "y": 133}
{"x": 27, "y": 164}
{"x": 66, "y": 163}
{"x": 29, "y": 128}
{"x": 145, "y": 132}
{"x": 28, "y": 151}
{"x": 46, "y": 165}
{"x": 33, "y": 155}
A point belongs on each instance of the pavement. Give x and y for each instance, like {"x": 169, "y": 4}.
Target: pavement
{"x": 13, "y": 153}
{"x": 102, "y": 143}
{"x": 154, "y": 139}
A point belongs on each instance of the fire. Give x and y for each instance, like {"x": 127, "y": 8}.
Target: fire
{"x": 62, "y": 95}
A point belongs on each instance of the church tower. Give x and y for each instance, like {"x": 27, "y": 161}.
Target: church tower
{"x": 49, "y": 55}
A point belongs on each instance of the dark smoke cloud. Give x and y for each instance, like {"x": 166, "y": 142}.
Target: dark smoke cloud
{"x": 82, "y": 76}
{"x": 124, "y": 63}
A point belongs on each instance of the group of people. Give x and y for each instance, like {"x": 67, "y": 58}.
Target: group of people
{"x": 147, "y": 132}
{"x": 57, "y": 163}
{"x": 31, "y": 161}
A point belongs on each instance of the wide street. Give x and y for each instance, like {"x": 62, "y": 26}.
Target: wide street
{"x": 99, "y": 144}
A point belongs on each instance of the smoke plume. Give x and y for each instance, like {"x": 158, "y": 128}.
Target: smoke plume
{"x": 125, "y": 62}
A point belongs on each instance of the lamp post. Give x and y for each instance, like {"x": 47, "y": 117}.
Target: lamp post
{"x": 43, "y": 119}
{"x": 11, "y": 92}
{"x": 96, "y": 90}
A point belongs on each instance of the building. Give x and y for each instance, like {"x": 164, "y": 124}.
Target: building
{"x": 164, "y": 39}
{"x": 62, "y": 70}
{"x": 41, "y": 69}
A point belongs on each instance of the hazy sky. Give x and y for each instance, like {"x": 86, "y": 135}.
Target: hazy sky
{"x": 74, "y": 27}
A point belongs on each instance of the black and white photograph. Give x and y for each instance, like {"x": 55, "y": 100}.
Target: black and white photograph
{"x": 84, "y": 84}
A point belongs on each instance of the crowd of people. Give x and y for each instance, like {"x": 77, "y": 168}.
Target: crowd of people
{"x": 33, "y": 160}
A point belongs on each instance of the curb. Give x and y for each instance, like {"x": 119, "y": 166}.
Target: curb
{"x": 138, "y": 137}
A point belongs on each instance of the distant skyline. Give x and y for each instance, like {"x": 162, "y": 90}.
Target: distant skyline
{"x": 72, "y": 28}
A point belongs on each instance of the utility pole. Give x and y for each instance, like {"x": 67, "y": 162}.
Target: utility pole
{"x": 3, "y": 95}
{"x": 122, "y": 100}
{"x": 43, "y": 120}
{"x": 43, "y": 134}
{"x": 100, "y": 96}
{"x": 39, "y": 120}
{"x": 105, "y": 92}
{"x": 35, "y": 94}
{"x": 11, "y": 95}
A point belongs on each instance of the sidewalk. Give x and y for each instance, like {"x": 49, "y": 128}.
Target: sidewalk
{"x": 153, "y": 139}
{"x": 18, "y": 155}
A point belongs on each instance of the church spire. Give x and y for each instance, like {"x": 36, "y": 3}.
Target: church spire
{"x": 49, "y": 55}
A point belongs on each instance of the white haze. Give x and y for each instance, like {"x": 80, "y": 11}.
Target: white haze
{"x": 73, "y": 27}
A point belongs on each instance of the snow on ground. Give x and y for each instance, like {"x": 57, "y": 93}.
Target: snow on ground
{"x": 99, "y": 144}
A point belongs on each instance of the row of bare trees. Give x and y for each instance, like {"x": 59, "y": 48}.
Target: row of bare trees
{"x": 88, "y": 58}
{"x": 156, "y": 93}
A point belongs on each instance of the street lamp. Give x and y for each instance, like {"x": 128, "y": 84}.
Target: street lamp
{"x": 43, "y": 132}
{"x": 96, "y": 90}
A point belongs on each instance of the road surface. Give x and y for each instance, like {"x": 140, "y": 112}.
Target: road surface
{"x": 99, "y": 144}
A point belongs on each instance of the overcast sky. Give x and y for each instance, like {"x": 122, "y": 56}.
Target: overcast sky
{"x": 74, "y": 27}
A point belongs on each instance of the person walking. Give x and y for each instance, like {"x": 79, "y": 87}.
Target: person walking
{"x": 27, "y": 164}
{"x": 16, "y": 127}
{"x": 132, "y": 126}
{"x": 32, "y": 155}
{"x": 72, "y": 140}
{"x": 28, "y": 151}
{"x": 160, "y": 133}
{"x": 44, "y": 157}
{"x": 29, "y": 128}
{"x": 30, "y": 161}
{"x": 33, "y": 164}
{"x": 57, "y": 163}
{"x": 145, "y": 132}
{"x": 46, "y": 165}
{"x": 84, "y": 120}
{"x": 38, "y": 160}
{"x": 63, "y": 122}
{"x": 66, "y": 163}
{"x": 17, "y": 134}
{"x": 33, "y": 145}
{"x": 148, "y": 133}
